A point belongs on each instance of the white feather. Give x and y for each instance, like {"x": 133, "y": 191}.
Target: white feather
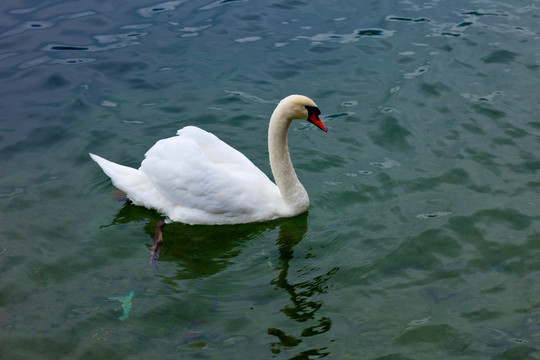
{"x": 196, "y": 178}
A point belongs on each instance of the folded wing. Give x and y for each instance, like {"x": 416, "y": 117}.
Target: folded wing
{"x": 196, "y": 170}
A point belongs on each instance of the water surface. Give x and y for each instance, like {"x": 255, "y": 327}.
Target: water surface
{"x": 422, "y": 240}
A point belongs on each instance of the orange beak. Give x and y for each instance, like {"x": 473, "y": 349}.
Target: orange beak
{"x": 315, "y": 120}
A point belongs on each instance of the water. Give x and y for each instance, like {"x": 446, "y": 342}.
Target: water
{"x": 422, "y": 240}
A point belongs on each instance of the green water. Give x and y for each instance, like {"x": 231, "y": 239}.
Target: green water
{"x": 423, "y": 236}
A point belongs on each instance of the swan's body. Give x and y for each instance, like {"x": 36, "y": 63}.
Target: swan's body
{"x": 195, "y": 178}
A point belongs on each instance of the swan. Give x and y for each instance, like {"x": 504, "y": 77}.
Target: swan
{"x": 195, "y": 178}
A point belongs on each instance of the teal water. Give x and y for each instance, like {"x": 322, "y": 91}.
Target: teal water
{"x": 423, "y": 236}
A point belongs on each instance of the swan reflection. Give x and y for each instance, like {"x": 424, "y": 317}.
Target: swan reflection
{"x": 303, "y": 305}
{"x": 210, "y": 254}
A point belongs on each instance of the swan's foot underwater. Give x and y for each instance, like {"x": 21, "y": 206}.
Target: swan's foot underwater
{"x": 121, "y": 196}
{"x": 156, "y": 246}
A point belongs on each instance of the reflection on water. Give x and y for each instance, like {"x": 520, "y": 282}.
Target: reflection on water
{"x": 303, "y": 308}
{"x": 201, "y": 252}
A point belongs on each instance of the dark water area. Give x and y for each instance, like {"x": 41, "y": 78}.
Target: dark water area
{"x": 422, "y": 240}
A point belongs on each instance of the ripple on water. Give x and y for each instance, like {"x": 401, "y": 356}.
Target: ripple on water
{"x": 448, "y": 337}
{"x": 489, "y": 111}
{"x": 56, "y": 81}
{"x": 119, "y": 68}
{"x": 355, "y": 36}
{"x": 419, "y": 71}
{"x": 391, "y": 135}
{"x": 436, "y": 89}
{"x": 35, "y": 62}
{"x": 105, "y": 42}
{"x": 455, "y": 176}
{"x": 407, "y": 19}
{"x": 153, "y": 10}
{"x": 386, "y": 164}
{"x": 469, "y": 19}
{"x": 8, "y": 191}
{"x": 433, "y": 215}
{"x": 349, "y": 103}
{"x": 248, "y": 39}
{"x": 499, "y": 57}
{"x": 481, "y": 98}
{"x": 74, "y": 61}
{"x": 218, "y": 3}
{"x": 29, "y": 25}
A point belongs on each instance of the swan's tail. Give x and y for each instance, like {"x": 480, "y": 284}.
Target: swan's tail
{"x": 133, "y": 182}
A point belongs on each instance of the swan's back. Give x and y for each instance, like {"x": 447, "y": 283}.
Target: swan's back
{"x": 207, "y": 181}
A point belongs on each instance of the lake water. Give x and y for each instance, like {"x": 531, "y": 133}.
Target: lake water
{"x": 423, "y": 236}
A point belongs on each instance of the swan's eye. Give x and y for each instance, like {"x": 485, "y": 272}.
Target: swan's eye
{"x": 312, "y": 110}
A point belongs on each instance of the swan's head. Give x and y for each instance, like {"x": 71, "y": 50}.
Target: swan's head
{"x": 302, "y": 107}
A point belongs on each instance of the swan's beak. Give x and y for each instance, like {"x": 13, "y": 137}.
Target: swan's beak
{"x": 315, "y": 120}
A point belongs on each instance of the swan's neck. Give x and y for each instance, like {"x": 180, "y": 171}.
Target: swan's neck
{"x": 292, "y": 192}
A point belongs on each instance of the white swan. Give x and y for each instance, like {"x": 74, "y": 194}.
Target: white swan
{"x": 195, "y": 178}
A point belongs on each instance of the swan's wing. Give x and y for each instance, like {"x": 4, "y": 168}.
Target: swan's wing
{"x": 196, "y": 170}
{"x": 217, "y": 151}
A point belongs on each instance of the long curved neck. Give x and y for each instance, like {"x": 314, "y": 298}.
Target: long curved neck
{"x": 292, "y": 192}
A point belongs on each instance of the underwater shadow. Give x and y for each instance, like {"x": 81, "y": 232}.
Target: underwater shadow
{"x": 204, "y": 250}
